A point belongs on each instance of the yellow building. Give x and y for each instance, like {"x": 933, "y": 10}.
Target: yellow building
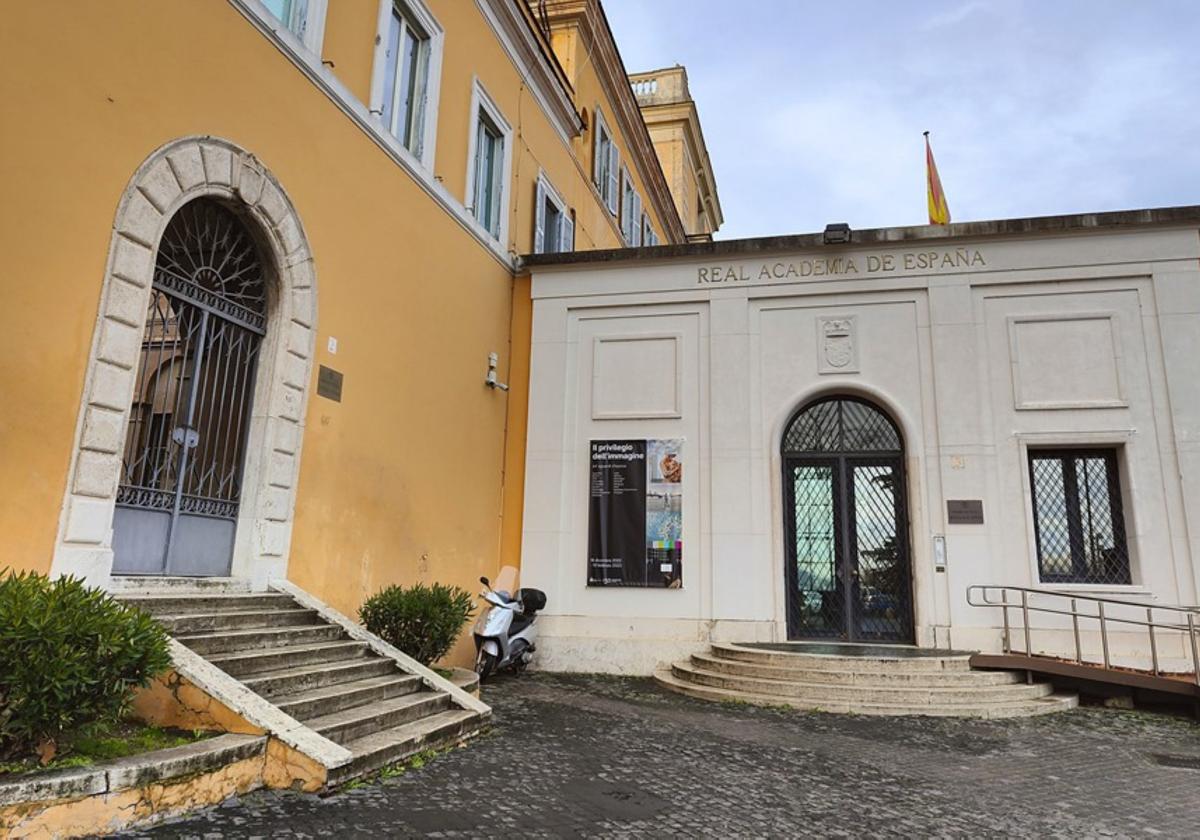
{"x": 260, "y": 254}
{"x": 674, "y": 124}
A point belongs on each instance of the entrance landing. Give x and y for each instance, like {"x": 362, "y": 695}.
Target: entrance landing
{"x": 853, "y": 649}
{"x": 859, "y": 679}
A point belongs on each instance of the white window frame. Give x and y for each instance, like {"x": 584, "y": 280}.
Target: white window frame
{"x": 544, "y": 191}
{"x": 606, "y": 183}
{"x": 314, "y": 25}
{"x": 427, "y": 146}
{"x": 482, "y": 101}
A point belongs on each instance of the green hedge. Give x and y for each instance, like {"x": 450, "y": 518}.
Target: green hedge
{"x": 423, "y": 621}
{"x": 71, "y": 658}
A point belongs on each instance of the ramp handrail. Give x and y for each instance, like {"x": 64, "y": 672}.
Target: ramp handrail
{"x": 1186, "y": 620}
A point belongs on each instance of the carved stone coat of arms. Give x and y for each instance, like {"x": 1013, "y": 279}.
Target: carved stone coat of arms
{"x": 838, "y": 352}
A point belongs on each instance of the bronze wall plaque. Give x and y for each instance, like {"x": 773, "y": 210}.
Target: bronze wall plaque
{"x": 964, "y": 511}
{"x": 329, "y": 383}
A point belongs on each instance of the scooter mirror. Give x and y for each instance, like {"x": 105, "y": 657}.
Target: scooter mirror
{"x": 484, "y": 581}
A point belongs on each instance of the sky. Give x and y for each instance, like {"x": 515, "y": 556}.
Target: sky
{"x": 813, "y": 111}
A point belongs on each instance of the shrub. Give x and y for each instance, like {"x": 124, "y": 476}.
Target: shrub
{"x": 423, "y": 621}
{"x": 71, "y": 658}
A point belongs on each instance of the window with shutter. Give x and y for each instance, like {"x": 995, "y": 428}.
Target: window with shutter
{"x": 489, "y": 173}
{"x": 550, "y": 221}
{"x": 612, "y": 195}
{"x": 599, "y": 154}
{"x": 539, "y": 218}
{"x": 568, "y": 232}
{"x": 405, "y": 74}
{"x": 406, "y": 79}
{"x": 630, "y": 209}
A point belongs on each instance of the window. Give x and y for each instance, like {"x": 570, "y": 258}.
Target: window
{"x": 606, "y": 162}
{"x": 1078, "y": 519}
{"x": 631, "y": 210}
{"x": 303, "y": 18}
{"x": 553, "y": 227}
{"x": 490, "y": 154}
{"x": 293, "y": 13}
{"x": 649, "y": 237}
{"x": 406, "y": 80}
{"x": 489, "y": 157}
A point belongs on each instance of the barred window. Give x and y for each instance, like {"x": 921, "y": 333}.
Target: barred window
{"x": 1078, "y": 516}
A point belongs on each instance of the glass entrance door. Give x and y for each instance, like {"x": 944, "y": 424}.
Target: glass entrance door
{"x": 848, "y": 571}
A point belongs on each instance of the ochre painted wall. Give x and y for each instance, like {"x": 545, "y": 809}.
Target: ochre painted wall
{"x": 403, "y": 480}
{"x": 518, "y": 421}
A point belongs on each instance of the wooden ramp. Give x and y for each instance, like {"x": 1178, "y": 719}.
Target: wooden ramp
{"x": 1026, "y": 614}
{"x": 1183, "y": 685}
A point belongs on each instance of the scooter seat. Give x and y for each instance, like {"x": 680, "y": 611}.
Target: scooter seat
{"x": 531, "y": 599}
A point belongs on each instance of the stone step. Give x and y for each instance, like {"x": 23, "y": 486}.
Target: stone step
{"x": 315, "y": 702}
{"x": 357, "y": 722}
{"x": 1010, "y": 709}
{"x": 196, "y": 603}
{"x": 899, "y": 663}
{"x": 294, "y": 680}
{"x": 143, "y": 584}
{"x": 390, "y": 746}
{"x": 238, "y": 620}
{"x": 816, "y": 692}
{"x": 246, "y": 663}
{"x": 910, "y": 679}
{"x": 262, "y": 638}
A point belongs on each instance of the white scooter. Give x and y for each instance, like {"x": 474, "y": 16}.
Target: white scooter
{"x": 505, "y": 632}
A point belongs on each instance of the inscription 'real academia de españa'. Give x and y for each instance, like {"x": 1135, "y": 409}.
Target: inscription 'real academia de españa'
{"x": 843, "y": 266}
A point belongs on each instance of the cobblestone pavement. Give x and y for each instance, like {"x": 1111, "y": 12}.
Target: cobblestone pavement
{"x": 578, "y": 756}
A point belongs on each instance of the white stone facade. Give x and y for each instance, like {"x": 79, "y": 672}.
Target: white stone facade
{"x": 979, "y": 345}
{"x": 176, "y": 173}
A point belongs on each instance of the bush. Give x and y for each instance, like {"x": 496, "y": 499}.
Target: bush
{"x": 70, "y": 660}
{"x": 423, "y": 621}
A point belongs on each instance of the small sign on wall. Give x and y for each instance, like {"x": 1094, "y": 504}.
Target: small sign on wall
{"x": 329, "y": 383}
{"x": 964, "y": 511}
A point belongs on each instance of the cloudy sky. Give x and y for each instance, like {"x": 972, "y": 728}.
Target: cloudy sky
{"x": 813, "y": 111}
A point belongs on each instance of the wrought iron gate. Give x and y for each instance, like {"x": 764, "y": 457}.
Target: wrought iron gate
{"x": 177, "y": 503}
{"x": 848, "y": 569}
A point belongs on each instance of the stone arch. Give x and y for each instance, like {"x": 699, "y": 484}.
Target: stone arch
{"x": 912, "y": 442}
{"x": 176, "y": 173}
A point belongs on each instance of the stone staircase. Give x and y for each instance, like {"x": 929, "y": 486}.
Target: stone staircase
{"x": 312, "y": 670}
{"x": 860, "y": 679}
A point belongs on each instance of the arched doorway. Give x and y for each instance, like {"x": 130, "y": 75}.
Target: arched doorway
{"x": 848, "y": 568}
{"x": 181, "y": 474}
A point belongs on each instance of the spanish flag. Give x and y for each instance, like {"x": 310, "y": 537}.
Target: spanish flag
{"x": 939, "y": 210}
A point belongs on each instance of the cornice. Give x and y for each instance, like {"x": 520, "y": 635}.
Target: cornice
{"x": 513, "y": 31}
{"x": 588, "y": 16}
{"x": 1186, "y": 217}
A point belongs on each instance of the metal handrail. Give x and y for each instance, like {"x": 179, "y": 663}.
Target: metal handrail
{"x": 1188, "y": 620}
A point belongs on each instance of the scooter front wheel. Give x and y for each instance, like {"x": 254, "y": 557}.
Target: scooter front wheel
{"x": 485, "y": 664}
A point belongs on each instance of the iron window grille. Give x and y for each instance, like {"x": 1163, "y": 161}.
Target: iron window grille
{"x": 1078, "y": 516}
{"x": 842, "y": 424}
